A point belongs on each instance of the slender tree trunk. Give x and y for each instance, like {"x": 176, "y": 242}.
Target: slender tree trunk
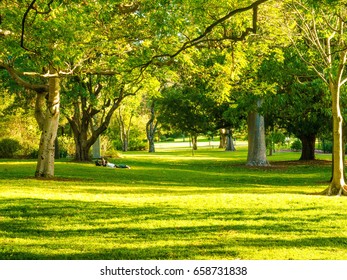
{"x": 308, "y": 147}
{"x": 45, "y": 163}
{"x": 256, "y": 139}
{"x": 57, "y": 149}
{"x": 124, "y": 130}
{"x": 337, "y": 184}
{"x": 194, "y": 141}
{"x": 151, "y": 128}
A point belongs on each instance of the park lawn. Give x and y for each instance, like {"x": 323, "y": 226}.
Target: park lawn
{"x": 172, "y": 205}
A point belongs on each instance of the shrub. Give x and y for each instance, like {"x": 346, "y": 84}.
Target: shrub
{"x": 296, "y": 145}
{"x": 66, "y": 146}
{"x": 34, "y": 154}
{"x": 326, "y": 146}
{"x": 137, "y": 145}
{"x": 8, "y": 147}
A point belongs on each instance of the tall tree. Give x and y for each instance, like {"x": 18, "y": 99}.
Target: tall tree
{"x": 37, "y": 47}
{"x": 321, "y": 26}
{"x": 301, "y": 103}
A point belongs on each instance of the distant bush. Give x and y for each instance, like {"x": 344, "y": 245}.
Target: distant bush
{"x": 66, "y": 146}
{"x": 34, "y": 154}
{"x": 133, "y": 145}
{"x": 296, "y": 145}
{"x": 326, "y": 146}
{"x": 137, "y": 145}
{"x": 8, "y": 147}
{"x": 170, "y": 139}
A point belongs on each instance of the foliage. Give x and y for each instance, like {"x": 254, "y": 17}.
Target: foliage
{"x": 326, "y": 146}
{"x": 195, "y": 102}
{"x": 296, "y": 145}
{"x": 66, "y": 146}
{"x": 16, "y": 118}
{"x": 9, "y": 147}
{"x": 274, "y": 138}
{"x": 301, "y": 101}
{"x": 135, "y": 144}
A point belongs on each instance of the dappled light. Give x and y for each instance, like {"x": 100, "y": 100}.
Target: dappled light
{"x": 173, "y": 130}
{"x": 168, "y": 208}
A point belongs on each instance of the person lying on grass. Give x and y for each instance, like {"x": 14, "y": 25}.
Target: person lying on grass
{"x": 105, "y": 163}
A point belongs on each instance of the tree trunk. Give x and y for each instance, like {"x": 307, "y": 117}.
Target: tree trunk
{"x": 195, "y": 141}
{"x": 45, "y": 163}
{"x": 308, "y": 147}
{"x": 82, "y": 147}
{"x": 256, "y": 139}
{"x": 337, "y": 184}
{"x": 57, "y": 149}
{"x": 124, "y": 130}
{"x": 229, "y": 140}
{"x": 151, "y": 128}
{"x": 222, "y": 139}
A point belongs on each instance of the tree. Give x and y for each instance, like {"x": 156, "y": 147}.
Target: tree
{"x": 321, "y": 26}
{"x": 40, "y": 49}
{"x": 186, "y": 109}
{"x": 249, "y": 82}
{"x": 90, "y": 104}
{"x": 151, "y": 127}
{"x": 59, "y": 39}
{"x": 300, "y": 104}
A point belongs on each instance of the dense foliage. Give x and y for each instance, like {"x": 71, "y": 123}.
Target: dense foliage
{"x": 192, "y": 66}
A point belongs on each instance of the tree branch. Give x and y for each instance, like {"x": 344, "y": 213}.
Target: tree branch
{"x": 16, "y": 76}
{"x": 254, "y": 6}
{"x": 32, "y": 7}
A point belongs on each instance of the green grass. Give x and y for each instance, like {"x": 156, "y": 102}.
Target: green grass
{"x": 171, "y": 205}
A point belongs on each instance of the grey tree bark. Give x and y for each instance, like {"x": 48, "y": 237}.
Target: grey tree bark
{"x": 256, "y": 139}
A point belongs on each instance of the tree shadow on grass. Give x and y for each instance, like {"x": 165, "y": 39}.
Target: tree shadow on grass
{"x": 51, "y": 225}
{"x": 185, "y": 252}
{"x": 151, "y": 253}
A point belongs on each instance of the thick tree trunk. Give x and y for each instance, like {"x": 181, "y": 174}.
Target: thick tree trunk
{"x": 82, "y": 147}
{"x": 256, "y": 139}
{"x": 229, "y": 140}
{"x": 222, "y": 139}
{"x": 45, "y": 163}
{"x": 308, "y": 147}
{"x": 337, "y": 184}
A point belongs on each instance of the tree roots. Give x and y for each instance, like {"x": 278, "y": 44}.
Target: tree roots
{"x": 334, "y": 190}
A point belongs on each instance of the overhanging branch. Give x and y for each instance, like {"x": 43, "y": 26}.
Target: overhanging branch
{"x": 210, "y": 28}
{"x": 16, "y": 76}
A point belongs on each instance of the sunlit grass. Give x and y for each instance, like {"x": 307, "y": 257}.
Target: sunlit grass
{"x": 172, "y": 205}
